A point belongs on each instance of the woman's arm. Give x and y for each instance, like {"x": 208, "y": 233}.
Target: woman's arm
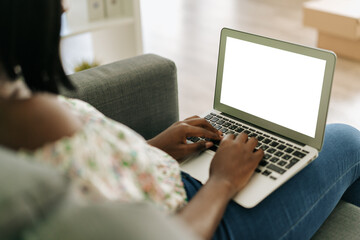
{"x": 204, "y": 212}
{"x": 33, "y": 122}
{"x": 230, "y": 170}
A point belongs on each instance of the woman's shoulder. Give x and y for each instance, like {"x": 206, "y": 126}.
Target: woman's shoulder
{"x": 33, "y": 122}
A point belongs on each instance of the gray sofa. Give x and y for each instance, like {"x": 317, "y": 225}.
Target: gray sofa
{"x": 142, "y": 93}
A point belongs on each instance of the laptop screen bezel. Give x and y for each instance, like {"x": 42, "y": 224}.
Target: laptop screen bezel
{"x": 328, "y": 56}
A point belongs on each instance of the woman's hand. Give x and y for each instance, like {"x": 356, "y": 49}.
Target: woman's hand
{"x": 235, "y": 162}
{"x": 173, "y": 139}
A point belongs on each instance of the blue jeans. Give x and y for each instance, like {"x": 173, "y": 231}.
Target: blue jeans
{"x": 298, "y": 208}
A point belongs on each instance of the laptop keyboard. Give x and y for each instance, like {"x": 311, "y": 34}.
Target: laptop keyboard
{"x": 278, "y": 155}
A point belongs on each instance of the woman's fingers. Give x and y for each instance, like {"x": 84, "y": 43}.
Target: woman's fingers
{"x": 195, "y": 131}
{"x": 252, "y": 142}
{"x": 259, "y": 154}
{"x": 242, "y": 137}
{"x": 200, "y": 122}
{"x": 192, "y": 117}
{"x": 199, "y": 127}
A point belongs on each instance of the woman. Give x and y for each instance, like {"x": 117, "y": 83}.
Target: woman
{"x": 106, "y": 160}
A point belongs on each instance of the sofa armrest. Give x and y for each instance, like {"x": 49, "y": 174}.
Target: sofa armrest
{"x": 140, "y": 92}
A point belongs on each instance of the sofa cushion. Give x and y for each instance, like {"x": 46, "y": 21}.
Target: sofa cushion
{"x": 27, "y": 191}
{"x": 343, "y": 223}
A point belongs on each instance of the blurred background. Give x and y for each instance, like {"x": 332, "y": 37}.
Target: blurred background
{"x": 188, "y": 31}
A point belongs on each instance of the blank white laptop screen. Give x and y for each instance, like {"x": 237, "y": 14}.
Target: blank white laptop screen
{"x": 276, "y": 85}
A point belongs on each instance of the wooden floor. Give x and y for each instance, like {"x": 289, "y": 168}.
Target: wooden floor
{"x": 187, "y": 32}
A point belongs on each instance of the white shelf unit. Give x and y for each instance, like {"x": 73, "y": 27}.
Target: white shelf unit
{"x": 104, "y": 41}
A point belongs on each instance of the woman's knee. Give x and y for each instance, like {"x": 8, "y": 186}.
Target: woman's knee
{"x": 342, "y": 137}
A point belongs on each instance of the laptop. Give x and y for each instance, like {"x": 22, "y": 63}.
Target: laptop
{"x": 275, "y": 91}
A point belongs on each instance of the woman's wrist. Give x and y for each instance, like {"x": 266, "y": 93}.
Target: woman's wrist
{"x": 222, "y": 186}
{"x": 205, "y": 210}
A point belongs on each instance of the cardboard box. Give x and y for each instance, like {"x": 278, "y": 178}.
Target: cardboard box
{"x": 343, "y": 47}
{"x": 336, "y": 17}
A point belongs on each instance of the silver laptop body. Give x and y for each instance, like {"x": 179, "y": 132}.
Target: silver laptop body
{"x": 273, "y": 90}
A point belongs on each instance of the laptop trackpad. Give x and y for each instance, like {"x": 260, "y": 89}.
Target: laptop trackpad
{"x": 198, "y": 166}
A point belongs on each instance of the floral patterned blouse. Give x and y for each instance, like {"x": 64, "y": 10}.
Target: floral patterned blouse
{"x": 106, "y": 160}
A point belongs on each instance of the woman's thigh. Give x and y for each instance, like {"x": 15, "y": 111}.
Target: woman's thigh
{"x": 298, "y": 208}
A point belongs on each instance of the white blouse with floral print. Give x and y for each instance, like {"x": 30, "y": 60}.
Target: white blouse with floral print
{"x": 106, "y": 160}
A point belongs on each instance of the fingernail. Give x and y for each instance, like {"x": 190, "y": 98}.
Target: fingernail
{"x": 209, "y": 144}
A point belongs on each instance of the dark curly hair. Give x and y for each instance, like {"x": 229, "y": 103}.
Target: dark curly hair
{"x": 30, "y": 38}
